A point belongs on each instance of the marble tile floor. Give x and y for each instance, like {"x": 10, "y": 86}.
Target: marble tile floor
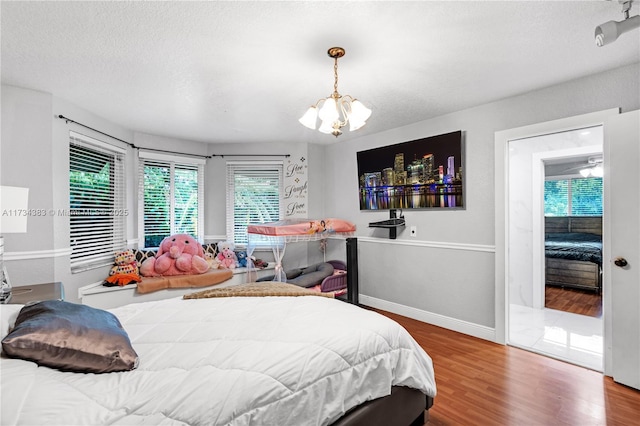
{"x": 573, "y": 338}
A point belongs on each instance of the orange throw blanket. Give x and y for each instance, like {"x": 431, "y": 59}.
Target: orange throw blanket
{"x": 212, "y": 277}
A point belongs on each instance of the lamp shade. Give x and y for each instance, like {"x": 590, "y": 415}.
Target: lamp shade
{"x": 329, "y": 111}
{"x": 355, "y": 125}
{"x": 310, "y": 118}
{"x": 14, "y": 202}
{"x": 359, "y": 112}
{"x": 326, "y": 127}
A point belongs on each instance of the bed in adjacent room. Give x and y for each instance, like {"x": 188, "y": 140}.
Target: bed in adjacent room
{"x": 306, "y": 360}
{"x": 573, "y": 252}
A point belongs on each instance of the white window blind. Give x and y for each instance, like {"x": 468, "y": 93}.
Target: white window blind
{"x": 573, "y": 197}
{"x": 96, "y": 202}
{"x": 254, "y": 192}
{"x": 171, "y": 195}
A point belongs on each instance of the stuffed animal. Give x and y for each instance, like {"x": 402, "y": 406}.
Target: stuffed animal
{"x": 125, "y": 263}
{"x": 125, "y": 271}
{"x": 178, "y": 254}
{"x": 242, "y": 258}
{"x": 226, "y": 256}
{"x": 211, "y": 260}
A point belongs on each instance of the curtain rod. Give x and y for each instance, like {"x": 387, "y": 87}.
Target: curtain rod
{"x": 68, "y": 120}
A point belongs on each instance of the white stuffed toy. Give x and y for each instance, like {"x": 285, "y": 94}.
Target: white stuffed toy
{"x": 226, "y": 256}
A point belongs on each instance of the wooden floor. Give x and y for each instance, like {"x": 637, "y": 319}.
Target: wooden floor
{"x": 484, "y": 383}
{"x": 582, "y": 302}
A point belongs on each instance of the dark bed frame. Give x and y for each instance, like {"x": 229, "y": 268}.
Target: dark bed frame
{"x": 403, "y": 407}
{"x": 573, "y": 273}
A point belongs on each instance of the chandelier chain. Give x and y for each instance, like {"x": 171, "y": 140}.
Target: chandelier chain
{"x": 336, "y": 95}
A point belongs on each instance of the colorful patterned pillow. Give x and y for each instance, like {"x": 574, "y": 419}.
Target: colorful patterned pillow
{"x": 142, "y": 255}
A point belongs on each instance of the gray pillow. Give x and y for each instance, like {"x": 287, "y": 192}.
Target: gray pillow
{"x": 312, "y": 275}
{"x": 70, "y": 337}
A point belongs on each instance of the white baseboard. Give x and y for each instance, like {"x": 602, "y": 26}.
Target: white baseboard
{"x": 471, "y": 329}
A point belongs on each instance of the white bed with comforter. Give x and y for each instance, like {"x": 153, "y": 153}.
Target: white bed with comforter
{"x": 227, "y": 361}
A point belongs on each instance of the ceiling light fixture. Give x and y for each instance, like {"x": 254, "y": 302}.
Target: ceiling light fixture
{"x": 594, "y": 169}
{"x": 609, "y": 32}
{"x": 336, "y": 110}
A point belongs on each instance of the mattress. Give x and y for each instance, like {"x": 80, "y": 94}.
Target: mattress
{"x": 228, "y": 361}
{"x": 574, "y": 246}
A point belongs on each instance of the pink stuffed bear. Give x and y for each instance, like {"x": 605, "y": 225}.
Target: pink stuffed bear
{"x": 227, "y": 257}
{"x": 178, "y": 254}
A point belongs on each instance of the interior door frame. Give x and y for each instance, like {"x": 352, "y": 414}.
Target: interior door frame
{"x": 501, "y": 181}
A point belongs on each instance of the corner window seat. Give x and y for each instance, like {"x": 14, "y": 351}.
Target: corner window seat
{"x": 99, "y": 296}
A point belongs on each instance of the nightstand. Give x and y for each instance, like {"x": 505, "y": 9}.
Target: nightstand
{"x": 37, "y": 293}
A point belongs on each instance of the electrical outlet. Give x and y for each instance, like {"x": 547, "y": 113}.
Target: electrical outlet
{"x": 414, "y": 231}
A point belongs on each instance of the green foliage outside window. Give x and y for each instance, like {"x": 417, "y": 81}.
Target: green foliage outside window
{"x": 573, "y": 197}
{"x": 158, "y": 197}
{"x": 156, "y": 204}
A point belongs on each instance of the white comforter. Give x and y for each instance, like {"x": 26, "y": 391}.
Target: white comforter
{"x": 239, "y": 361}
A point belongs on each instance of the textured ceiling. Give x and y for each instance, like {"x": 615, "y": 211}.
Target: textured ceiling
{"x": 246, "y": 71}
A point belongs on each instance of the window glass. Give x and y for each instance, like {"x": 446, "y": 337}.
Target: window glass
{"x": 573, "y": 197}
{"x": 171, "y": 199}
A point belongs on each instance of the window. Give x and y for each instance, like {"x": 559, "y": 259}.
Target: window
{"x": 96, "y": 202}
{"x": 170, "y": 197}
{"x": 573, "y": 197}
{"x": 253, "y": 196}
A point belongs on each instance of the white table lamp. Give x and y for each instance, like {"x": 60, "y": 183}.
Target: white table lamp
{"x": 14, "y": 211}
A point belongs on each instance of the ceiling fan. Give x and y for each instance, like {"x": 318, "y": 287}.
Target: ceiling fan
{"x": 593, "y": 167}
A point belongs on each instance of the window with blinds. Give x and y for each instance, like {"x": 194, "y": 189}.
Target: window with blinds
{"x": 254, "y": 192}
{"x": 171, "y": 195}
{"x": 573, "y": 197}
{"x": 96, "y": 202}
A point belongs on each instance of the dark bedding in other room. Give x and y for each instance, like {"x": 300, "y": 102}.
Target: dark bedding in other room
{"x": 574, "y": 246}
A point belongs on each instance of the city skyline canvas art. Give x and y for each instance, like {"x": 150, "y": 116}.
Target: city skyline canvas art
{"x": 424, "y": 173}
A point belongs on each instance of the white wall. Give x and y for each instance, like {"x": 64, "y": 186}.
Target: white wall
{"x": 35, "y": 154}
{"x": 446, "y": 275}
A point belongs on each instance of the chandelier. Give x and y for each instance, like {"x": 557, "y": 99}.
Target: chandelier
{"x": 336, "y": 111}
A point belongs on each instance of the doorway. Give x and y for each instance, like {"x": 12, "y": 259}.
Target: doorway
{"x": 573, "y": 208}
{"x": 533, "y": 326}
